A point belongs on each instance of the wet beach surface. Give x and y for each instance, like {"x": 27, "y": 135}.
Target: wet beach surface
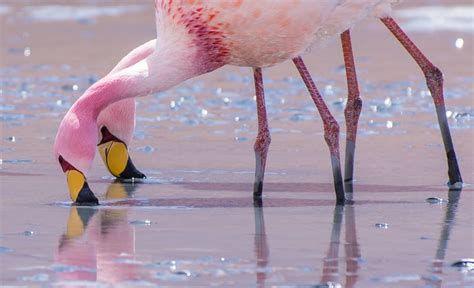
{"x": 192, "y": 221}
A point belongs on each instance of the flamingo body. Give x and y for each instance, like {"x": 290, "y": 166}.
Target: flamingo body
{"x": 260, "y": 33}
{"x": 195, "y": 37}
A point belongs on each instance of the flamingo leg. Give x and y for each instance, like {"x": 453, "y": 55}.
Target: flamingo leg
{"x": 331, "y": 128}
{"x": 263, "y": 137}
{"x": 434, "y": 81}
{"x": 352, "y": 111}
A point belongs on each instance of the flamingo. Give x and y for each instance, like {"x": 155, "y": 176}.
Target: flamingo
{"x": 196, "y": 37}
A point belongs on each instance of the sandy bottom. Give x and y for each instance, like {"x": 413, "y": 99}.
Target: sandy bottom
{"x": 192, "y": 221}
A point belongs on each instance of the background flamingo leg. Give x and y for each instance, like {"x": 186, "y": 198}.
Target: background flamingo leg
{"x": 434, "y": 81}
{"x": 331, "y": 128}
{"x": 263, "y": 137}
{"x": 352, "y": 111}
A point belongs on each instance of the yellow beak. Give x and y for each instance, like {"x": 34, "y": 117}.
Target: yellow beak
{"x": 114, "y": 153}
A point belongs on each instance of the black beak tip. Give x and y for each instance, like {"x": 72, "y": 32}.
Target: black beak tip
{"x": 131, "y": 172}
{"x": 86, "y": 197}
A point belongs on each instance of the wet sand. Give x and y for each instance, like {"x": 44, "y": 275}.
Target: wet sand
{"x": 192, "y": 222}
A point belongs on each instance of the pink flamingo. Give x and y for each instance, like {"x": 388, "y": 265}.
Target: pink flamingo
{"x": 196, "y": 37}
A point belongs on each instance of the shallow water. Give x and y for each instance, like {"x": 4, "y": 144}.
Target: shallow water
{"x": 192, "y": 221}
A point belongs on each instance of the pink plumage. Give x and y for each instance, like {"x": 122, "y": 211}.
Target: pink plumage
{"x": 197, "y": 36}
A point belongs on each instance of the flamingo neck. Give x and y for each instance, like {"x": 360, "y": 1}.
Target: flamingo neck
{"x": 158, "y": 72}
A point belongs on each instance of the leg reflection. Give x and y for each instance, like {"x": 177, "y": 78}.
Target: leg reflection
{"x": 330, "y": 275}
{"x": 352, "y": 248}
{"x": 119, "y": 190}
{"x": 449, "y": 217}
{"x": 331, "y": 261}
{"x": 98, "y": 244}
{"x": 260, "y": 245}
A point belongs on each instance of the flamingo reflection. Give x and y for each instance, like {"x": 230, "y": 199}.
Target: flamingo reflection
{"x": 98, "y": 244}
{"x": 260, "y": 244}
{"x": 352, "y": 251}
{"x": 449, "y": 217}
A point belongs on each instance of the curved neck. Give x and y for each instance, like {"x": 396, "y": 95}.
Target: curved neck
{"x": 158, "y": 72}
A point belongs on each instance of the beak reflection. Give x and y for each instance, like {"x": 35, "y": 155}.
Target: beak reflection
{"x": 98, "y": 244}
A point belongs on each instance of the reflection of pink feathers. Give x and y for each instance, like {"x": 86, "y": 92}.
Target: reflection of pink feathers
{"x": 96, "y": 255}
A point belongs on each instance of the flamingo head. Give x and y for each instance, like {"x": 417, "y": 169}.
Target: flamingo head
{"x": 74, "y": 148}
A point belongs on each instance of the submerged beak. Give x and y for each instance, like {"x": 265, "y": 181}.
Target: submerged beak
{"x": 114, "y": 153}
{"x": 79, "y": 190}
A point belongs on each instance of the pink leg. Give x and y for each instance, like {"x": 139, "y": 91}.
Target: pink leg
{"x": 352, "y": 111}
{"x": 331, "y": 128}
{"x": 434, "y": 80}
{"x": 263, "y": 137}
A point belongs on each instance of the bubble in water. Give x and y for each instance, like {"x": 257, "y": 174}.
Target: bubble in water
{"x": 328, "y": 90}
{"x": 381, "y": 225}
{"x": 434, "y": 200}
{"x": 140, "y": 222}
{"x": 204, "y": 112}
{"x": 467, "y": 264}
{"x": 409, "y": 91}
{"x": 387, "y": 102}
{"x": 75, "y": 87}
{"x": 240, "y": 139}
{"x": 27, "y": 51}
{"x": 459, "y": 43}
{"x": 226, "y": 100}
{"x": 173, "y": 105}
{"x": 183, "y": 273}
{"x": 11, "y": 139}
{"x": 28, "y": 233}
{"x": 389, "y": 124}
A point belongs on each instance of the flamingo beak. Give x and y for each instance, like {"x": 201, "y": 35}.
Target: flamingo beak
{"x": 79, "y": 190}
{"x": 114, "y": 153}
